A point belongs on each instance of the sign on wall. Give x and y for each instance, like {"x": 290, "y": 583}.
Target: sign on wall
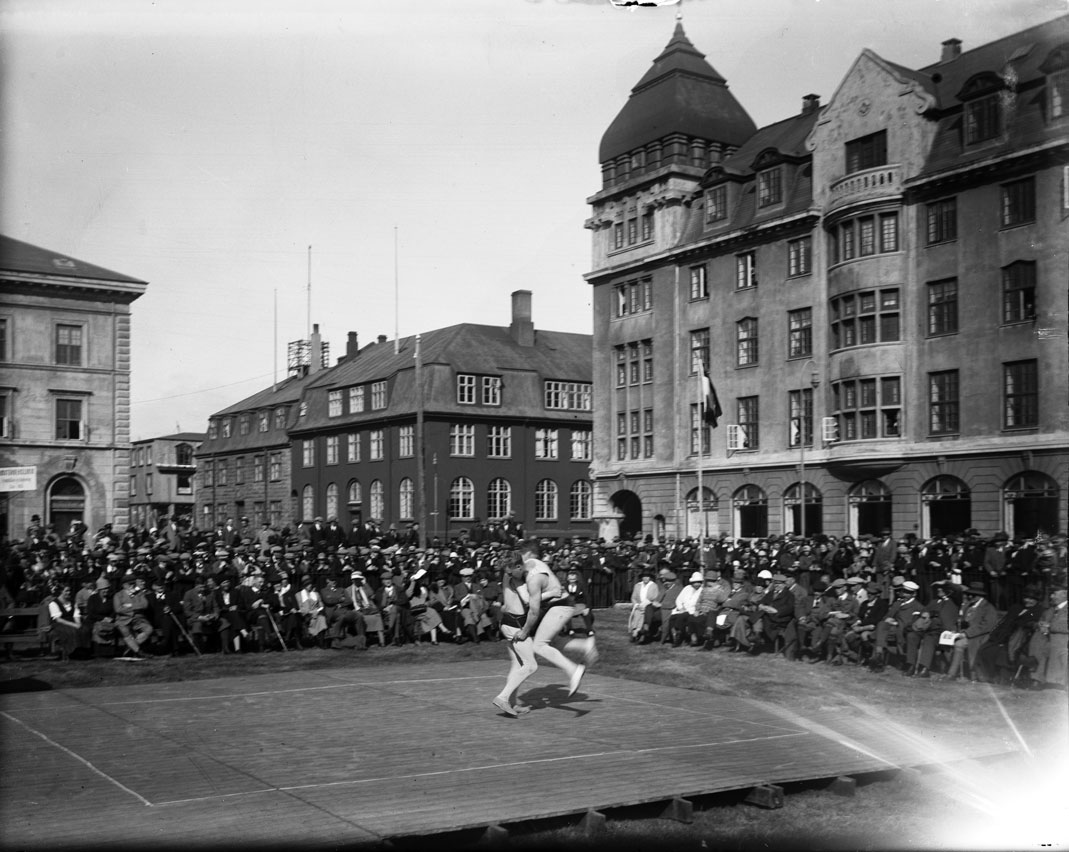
{"x": 18, "y": 478}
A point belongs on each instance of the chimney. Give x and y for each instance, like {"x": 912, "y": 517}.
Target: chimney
{"x": 810, "y": 103}
{"x": 382, "y": 338}
{"x": 521, "y": 328}
{"x": 951, "y": 49}
{"x": 315, "y": 355}
{"x": 351, "y": 347}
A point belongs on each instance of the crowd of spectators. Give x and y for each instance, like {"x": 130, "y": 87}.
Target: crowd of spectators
{"x": 950, "y": 606}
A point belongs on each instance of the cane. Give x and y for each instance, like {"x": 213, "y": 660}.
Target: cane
{"x": 186, "y": 635}
{"x": 271, "y": 618}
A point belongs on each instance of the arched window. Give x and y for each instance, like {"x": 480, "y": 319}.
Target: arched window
{"x": 702, "y": 517}
{"x": 1032, "y": 504}
{"x": 546, "y": 500}
{"x": 332, "y": 500}
{"x": 814, "y": 509}
{"x": 870, "y": 508}
{"x": 183, "y": 454}
{"x": 356, "y": 494}
{"x": 581, "y": 501}
{"x": 307, "y": 504}
{"x": 462, "y": 499}
{"x": 377, "y": 507}
{"x": 498, "y": 498}
{"x": 406, "y": 499}
{"x": 751, "y": 512}
{"x": 947, "y": 506}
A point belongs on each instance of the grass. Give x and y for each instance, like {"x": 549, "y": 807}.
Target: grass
{"x": 963, "y": 805}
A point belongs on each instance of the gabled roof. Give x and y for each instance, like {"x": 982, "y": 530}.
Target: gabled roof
{"x": 288, "y": 391}
{"x": 178, "y": 436}
{"x": 681, "y": 93}
{"x": 17, "y": 256}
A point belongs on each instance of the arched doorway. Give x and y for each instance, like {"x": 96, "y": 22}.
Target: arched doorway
{"x": 701, "y": 519}
{"x": 66, "y": 503}
{"x": 751, "y": 512}
{"x": 947, "y": 506}
{"x": 1031, "y": 500}
{"x": 814, "y": 510}
{"x": 630, "y": 509}
{"x": 870, "y": 508}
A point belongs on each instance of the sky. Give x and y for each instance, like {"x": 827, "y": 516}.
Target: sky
{"x": 435, "y": 154}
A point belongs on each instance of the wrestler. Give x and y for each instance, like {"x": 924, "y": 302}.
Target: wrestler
{"x": 513, "y": 618}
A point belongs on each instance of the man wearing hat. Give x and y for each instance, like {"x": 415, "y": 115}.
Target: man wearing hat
{"x": 714, "y": 594}
{"x": 1050, "y": 642}
{"x": 922, "y": 636}
{"x": 1000, "y": 655}
{"x": 870, "y": 614}
{"x": 472, "y": 607}
{"x": 670, "y": 589}
{"x": 976, "y": 619}
{"x": 892, "y": 630}
{"x": 777, "y": 609}
{"x": 100, "y": 613}
{"x": 131, "y": 606}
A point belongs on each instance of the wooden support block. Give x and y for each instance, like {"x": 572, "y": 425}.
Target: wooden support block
{"x": 766, "y": 796}
{"x": 494, "y": 836}
{"x": 592, "y": 824}
{"x": 844, "y": 785}
{"x": 681, "y": 810}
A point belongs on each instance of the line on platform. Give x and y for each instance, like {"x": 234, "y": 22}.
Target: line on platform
{"x": 78, "y": 757}
{"x": 685, "y": 709}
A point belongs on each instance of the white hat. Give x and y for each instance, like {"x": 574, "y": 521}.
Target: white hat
{"x": 764, "y": 574}
{"x": 422, "y": 572}
{"x": 909, "y": 584}
{"x": 696, "y": 577}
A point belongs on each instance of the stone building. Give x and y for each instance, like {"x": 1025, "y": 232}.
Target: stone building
{"x": 162, "y": 472}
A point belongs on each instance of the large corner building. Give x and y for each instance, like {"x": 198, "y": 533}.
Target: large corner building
{"x": 878, "y": 287}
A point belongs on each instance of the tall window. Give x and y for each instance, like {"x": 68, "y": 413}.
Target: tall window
{"x": 943, "y": 306}
{"x": 1018, "y": 202}
{"x": 239, "y": 470}
{"x": 213, "y": 429}
{"x": 868, "y": 407}
{"x": 406, "y": 441}
{"x": 580, "y": 500}
{"x": 647, "y": 433}
{"x": 699, "y": 350}
{"x": 307, "y": 503}
{"x": 353, "y": 447}
{"x": 863, "y": 236}
{"x": 800, "y": 256}
{"x": 769, "y": 187}
{"x": 582, "y": 443}
{"x": 69, "y": 345}
{"x": 3, "y": 339}
{"x": 491, "y": 390}
{"x": 356, "y": 494}
{"x": 499, "y": 442}
{"x": 332, "y": 500}
{"x": 356, "y": 399}
{"x": 264, "y": 420}
{"x": 800, "y": 332}
{"x": 376, "y": 445}
{"x": 717, "y": 203}
{"x": 745, "y": 270}
{"x": 699, "y": 431}
{"x": 942, "y": 221}
{"x": 462, "y": 439}
{"x": 183, "y": 454}
{"x": 461, "y": 499}
{"x": 746, "y": 340}
{"x": 258, "y": 471}
{"x": 133, "y": 486}
{"x": 1058, "y": 89}
{"x": 800, "y": 428}
{"x": 869, "y": 316}
{"x": 280, "y": 418}
{"x": 1021, "y": 394}
{"x": 332, "y": 449}
{"x": 308, "y": 453}
{"x": 699, "y": 285}
{"x": 866, "y": 152}
{"x": 546, "y": 500}
{"x": 227, "y": 425}
{"x": 647, "y": 225}
{"x": 943, "y": 412}
{"x": 465, "y": 389}
{"x": 498, "y": 498}
{"x": 545, "y": 443}
{"x": 334, "y": 403}
{"x": 1019, "y": 291}
{"x": 406, "y": 499}
{"x": 243, "y": 425}
{"x": 378, "y": 395}
{"x": 376, "y": 500}
{"x": 982, "y": 119}
{"x": 274, "y": 470}
{"x": 222, "y": 472}
{"x": 748, "y": 422}
{"x": 69, "y": 423}
{"x": 618, "y": 235}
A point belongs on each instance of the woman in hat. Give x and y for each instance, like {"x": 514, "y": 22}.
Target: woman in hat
{"x": 426, "y": 618}
{"x": 645, "y": 593}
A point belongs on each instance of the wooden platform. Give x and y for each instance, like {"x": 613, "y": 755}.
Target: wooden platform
{"x": 362, "y": 754}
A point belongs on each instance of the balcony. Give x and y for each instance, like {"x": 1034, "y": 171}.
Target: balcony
{"x": 869, "y": 185}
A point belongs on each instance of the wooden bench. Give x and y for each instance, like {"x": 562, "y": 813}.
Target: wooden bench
{"x": 25, "y": 628}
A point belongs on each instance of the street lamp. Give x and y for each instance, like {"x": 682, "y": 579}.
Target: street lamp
{"x": 814, "y": 381}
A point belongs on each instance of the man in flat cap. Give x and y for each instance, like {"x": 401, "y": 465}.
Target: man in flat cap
{"x": 131, "y": 607}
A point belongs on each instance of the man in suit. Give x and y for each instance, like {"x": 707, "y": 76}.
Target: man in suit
{"x": 1050, "y": 643}
{"x": 922, "y": 636}
{"x": 900, "y": 615}
{"x": 670, "y": 589}
{"x": 976, "y": 619}
{"x": 871, "y": 612}
{"x": 778, "y": 608}
{"x": 884, "y": 553}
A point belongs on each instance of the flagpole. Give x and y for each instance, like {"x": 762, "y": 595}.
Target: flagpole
{"x": 701, "y": 492}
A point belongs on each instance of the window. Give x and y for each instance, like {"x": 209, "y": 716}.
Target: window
{"x": 356, "y": 495}
{"x": 868, "y": 407}
{"x": 307, "y": 502}
{"x": 647, "y": 361}
{"x": 1018, "y": 202}
{"x": 717, "y": 204}
{"x": 866, "y": 152}
{"x": 1058, "y": 89}
{"x": 222, "y": 472}
{"x": 746, "y": 341}
{"x": 580, "y": 500}
{"x": 302, "y": 408}
{"x": 406, "y": 499}
{"x": 698, "y": 429}
{"x": 378, "y": 395}
{"x": 864, "y": 236}
{"x": 184, "y": 483}
{"x": 498, "y": 498}
{"x": 888, "y": 232}
{"x": 274, "y": 471}
{"x": 213, "y": 429}
{"x": 1021, "y": 393}
{"x": 258, "y": 469}
{"x": 353, "y": 447}
{"x": 465, "y": 389}
{"x": 148, "y": 483}
{"x": 800, "y": 427}
{"x": 800, "y": 256}
{"x": 280, "y": 418}
{"x": 866, "y": 317}
{"x": 632, "y": 231}
{"x": 406, "y": 441}
{"x": 332, "y": 500}
{"x": 308, "y": 453}
{"x": 582, "y": 443}
{"x": 800, "y": 332}
{"x": 618, "y": 235}
{"x": 647, "y": 226}
{"x": 461, "y": 499}
{"x": 621, "y": 366}
{"x": 699, "y": 285}
{"x": 545, "y": 443}
{"x": 133, "y": 486}
{"x": 275, "y": 513}
{"x": 647, "y": 433}
{"x": 239, "y": 470}
{"x": 243, "y": 425}
{"x": 356, "y": 400}
{"x": 332, "y": 449}
{"x": 982, "y": 119}
{"x": 462, "y": 439}
{"x": 943, "y": 402}
{"x": 491, "y": 390}
{"x": 227, "y": 425}
{"x": 699, "y": 350}
{"x": 745, "y": 270}
{"x": 1019, "y": 291}
{"x": 769, "y": 187}
{"x": 376, "y": 445}
{"x": 183, "y": 455}
{"x": 209, "y": 473}
{"x": 499, "y": 442}
{"x": 943, "y": 306}
{"x": 69, "y": 423}
{"x": 942, "y": 221}
{"x": 334, "y": 403}
{"x": 748, "y": 424}
{"x": 69, "y": 345}
{"x": 568, "y": 396}
{"x": 546, "y": 500}
{"x": 634, "y": 297}
{"x": 3, "y": 339}
{"x": 376, "y": 500}
{"x": 263, "y": 421}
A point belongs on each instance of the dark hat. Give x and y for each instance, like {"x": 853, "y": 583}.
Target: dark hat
{"x": 1001, "y": 536}
{"x": 976, "y": 588}
{"x": 779, "y": 578}
{"x": 1032, "y": 592}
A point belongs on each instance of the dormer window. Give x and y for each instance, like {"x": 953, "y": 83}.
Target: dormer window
{"x": 982, "y": 110}
{"x": 1056, "y": 67}
{"x": 717, "y": 203}
{"x": 770, "y": 187}
{"x": 866, "y": 152}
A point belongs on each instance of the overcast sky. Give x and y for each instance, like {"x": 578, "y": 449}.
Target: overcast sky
{"x": 202, "y": 147}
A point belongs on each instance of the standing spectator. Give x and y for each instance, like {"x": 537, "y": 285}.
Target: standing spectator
{"x": 1050, "y": 644}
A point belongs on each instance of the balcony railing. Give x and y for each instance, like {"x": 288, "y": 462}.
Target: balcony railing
{"x": 880, "y": 182}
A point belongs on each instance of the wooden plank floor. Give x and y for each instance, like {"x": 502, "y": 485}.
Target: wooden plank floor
{"x": 351, "y": 755}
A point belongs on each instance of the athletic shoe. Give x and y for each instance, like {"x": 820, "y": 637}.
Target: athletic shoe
{"x": 521, "y": 709}
{"x": 577, "y": 676}
{"x": 502, "y": 705}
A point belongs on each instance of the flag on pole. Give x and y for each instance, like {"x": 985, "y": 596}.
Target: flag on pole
{"x": 711, "y": 411}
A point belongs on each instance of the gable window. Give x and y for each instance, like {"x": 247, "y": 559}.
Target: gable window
{"x": 334, "y": 403}
{"x": 982, "y": 119}
{"x": 866, "y": 152}
{"x": 943, "y": 306}
{"x": 356, "y": 399}
{"x": 745, "y": 270}
{"x": 769, "y": 187}
{"x": 243, "y": 425}
{"x": 942, "y": 221}
{"x": 1058, "y": 93}
{"x": 717, "y": 203}
{"x": 800, "y": 332}
{"x": 568, "y": 396}
{"x": 1019, "y": 291}
{"x": 1018, "y": 202}
{"x": 800, "y": 256}
{"x": 213, "y": 429}
{"x": 699, "y": 285}
{"x": 746, "y": 339}
{"x": 378, "y": 395}
{"x": 280, "y": 418}
{"x": 264, "y": 421}
{"x": 69, "y": 345}
{"x": 226, "y": 427}
{"x": 465, "y": 389}
{"x": 491, "y": 390}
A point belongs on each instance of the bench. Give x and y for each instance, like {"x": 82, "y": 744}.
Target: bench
{"x": 25, "y": 628}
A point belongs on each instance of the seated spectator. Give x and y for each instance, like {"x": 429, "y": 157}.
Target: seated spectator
{"x": 670, "y": 589}
{"x": 843, "y": 610}
{"x": 288, "y": 612}
{"x": 442, "y": 600}
{"x": 201, "y": 612}
{"x": 231, "y": 621}
{"x": 397, "y": 612}
{"x": 891, "y": 631}
{"x": 922, "y": 636}
{"x": 1049, "y": 643}
{"x": 777, "y": 609}
{"x": 1000, "y": 656}
{"x": 715, "y": 592}
{"x": 644, "y": 594}
{"x": 684, "y": 614}
{"x": 976, "y": 619}
{"x": 745, "y": 632}
{"x": 131, "y": 607}
{"x": 426, "y": 617}
{"x": 68, "y": 631}
{"x": 311, "y": 607}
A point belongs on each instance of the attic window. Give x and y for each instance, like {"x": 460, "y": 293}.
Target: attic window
{"x": 982, "y": 119}
{"x": 769, "y": 187}
{"x": 1058, "y": 93}
{"x": 717, "y": 203}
